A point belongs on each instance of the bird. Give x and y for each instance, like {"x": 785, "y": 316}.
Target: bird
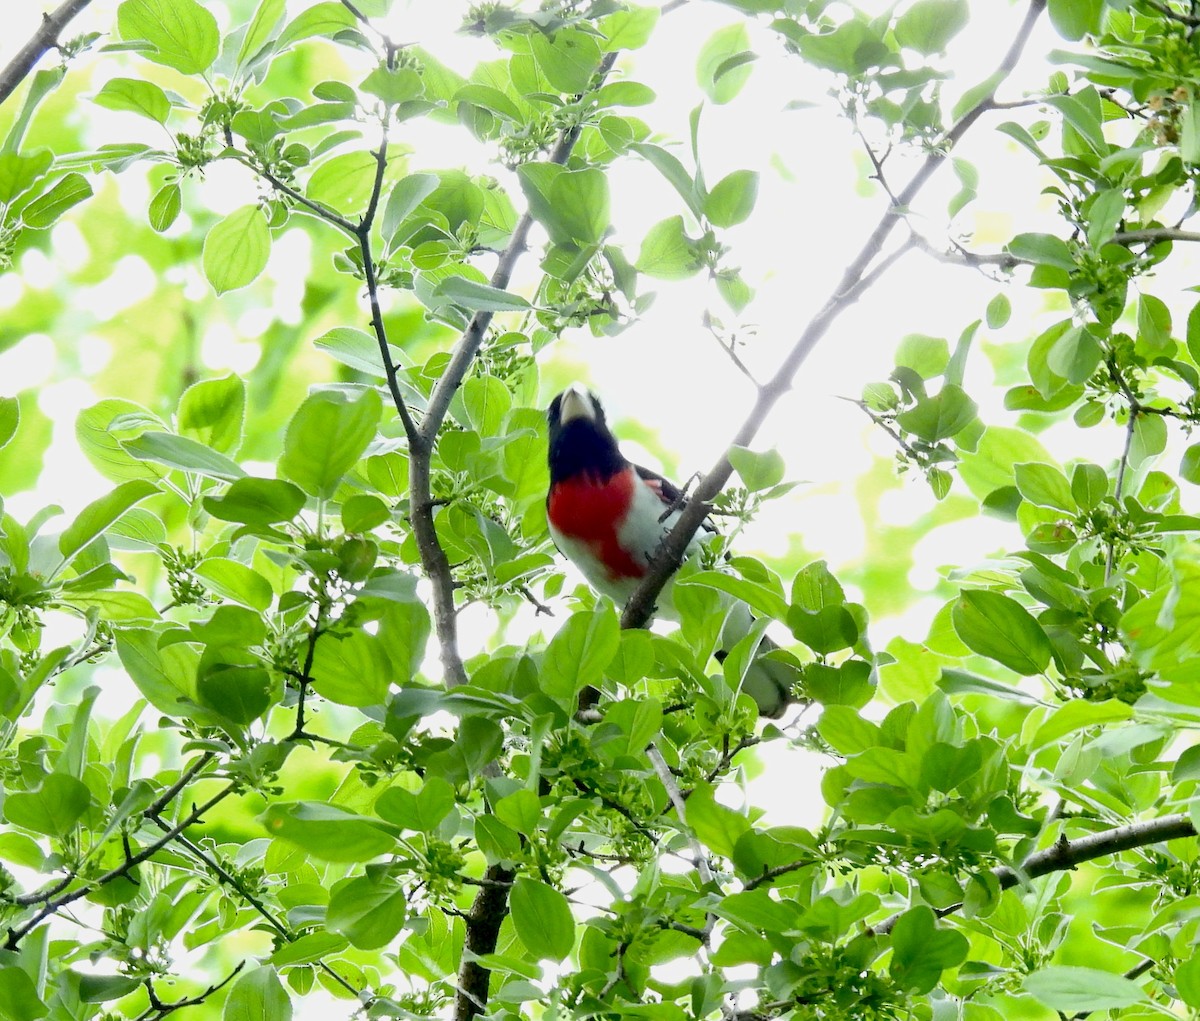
{"x": 608, "y": 515}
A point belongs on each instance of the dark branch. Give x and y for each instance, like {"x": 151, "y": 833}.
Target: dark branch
{"x": 43, "y": 40}
{"x": 55, "y": 904}
{"x": 854, "y": 280}
{"x": 483, "y": 930}
{"x": 1066, "y": 854}
{"x": 158, "y": 1009}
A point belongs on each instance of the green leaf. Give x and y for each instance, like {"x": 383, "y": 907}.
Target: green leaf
{"x": 357, "y": 349}
{"x": 573, "y": 205}
{"x": 165, "y": 207}
{"x": 928, "y": 25}
{"x": 629, "y": 28}
{"x": 166, "y": 677}
{"x": 542, "y": 918}
{"x": 326, "y": 437}
{"x": 184, "y": 35}
{"x": 328, "y": 832}
{"x": 393, "y": 85}
{"x": 568, "y": 59}
{"x": 184, "y": 454}
{"x": 236, "y": 581}
{"x": 344, "y": 181}
{"x": 116, "y": 607}
{"x": 960, "y": 682}
{"x": 477, "y": 297}
{"x": 1089, "y": 485}
{"x": 20, "y": 172}
{"x": 1104, "y": 214}
{"x": 211, "y": 412}
{"x": 722, "y": 46}
{"x": 1072, "y": 989}
{"x": 368, "y": 910}
{"x": 1044, "y": 486}
{"x": 422, "y": 811}
{"x": 1189, "y": 466}
{"x": 1154, "y": 323}
{"x": 53, "y": 808}
{"x": 241, "y": 691}
{"x": 1045, "y": 249}
{"x": 236, "y": 249}
{"x": 308, "y": 949}
{"x": 262, "y": 29}
{"x": 995, "y": 626}
{"x": 1187, "y": 981}
{"x": 667, "y": 252}
{"x": 257, "y": 502}
{"x": 716, "y": 827}
{"x": 579, "y": 653}
{"x": 1076, "y": 715}
{"x": 998, "y": 311}
{"x": 99, "y": 514}
{"x": 46, "y": 209}
{"x": 921, "y": 951}
{"x": 351, "y": 670}
{"x": 325, "y": 19}
{"x": 731, "y": 200}
{"x": 10, "y": 418}
{"x": 760, "y": 598}
{"x": 19, "y": 996}
{"x": 677, "y": 176}
{"x": 926, "y": 356}
{"x": 136, "y": 95}
{"x": 1073, "y": 19}
{"x": 758, "y": 470}
{"x": 939, "y": 417}
{"x": 258, "y": 995}
{"x": 408, "y": 193}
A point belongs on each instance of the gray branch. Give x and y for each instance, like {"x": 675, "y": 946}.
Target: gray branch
{"x": 42, "y": 41}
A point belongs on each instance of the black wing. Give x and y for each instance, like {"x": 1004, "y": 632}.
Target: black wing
{"x": 672, "y": 497}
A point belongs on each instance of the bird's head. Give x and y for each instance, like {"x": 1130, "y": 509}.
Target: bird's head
{"x": 580, "y": 440}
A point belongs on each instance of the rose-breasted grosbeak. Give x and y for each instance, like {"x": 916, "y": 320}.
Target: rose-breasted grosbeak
{"x": 608, "y": 515}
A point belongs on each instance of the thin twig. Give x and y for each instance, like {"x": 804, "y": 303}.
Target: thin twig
{"x": 1174, "y": 15}
{"x": 158, "y": 1009}
{"x": 1152, "y": 235}
{"x": 854, "y": 280}
{"x": 131, "y": 862}
{"x": 668, "y": 781}
{"x": 40, "y": 43}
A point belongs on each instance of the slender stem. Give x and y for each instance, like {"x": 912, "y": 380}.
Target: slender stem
{"x": 854, "y": 280}
{"x": 40, "y": 43}
{"x": 226, "y": 877}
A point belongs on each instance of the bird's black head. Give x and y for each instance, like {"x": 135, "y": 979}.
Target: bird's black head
{"x": 580, "y": 441}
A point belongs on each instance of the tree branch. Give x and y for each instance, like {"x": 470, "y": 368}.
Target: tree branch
{"x": 670, "y": 553}
{"x": 483, "y": 930}
{"x": 1066, "y": 854}
{"x": 1152, "y": 235}
{"x": 42, "y": 41}
{"x": 158, "y": 1009}
{"x": 53, "y": 905}
{"x": 433, "y": 557}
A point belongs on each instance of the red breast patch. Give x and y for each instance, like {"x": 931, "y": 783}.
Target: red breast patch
{"x": 591, "y": 510}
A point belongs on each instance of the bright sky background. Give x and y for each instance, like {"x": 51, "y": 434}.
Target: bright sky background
{"x": 667, "y": 372}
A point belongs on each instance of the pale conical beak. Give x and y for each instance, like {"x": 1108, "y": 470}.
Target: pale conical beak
{"x": 576, "y": 403}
